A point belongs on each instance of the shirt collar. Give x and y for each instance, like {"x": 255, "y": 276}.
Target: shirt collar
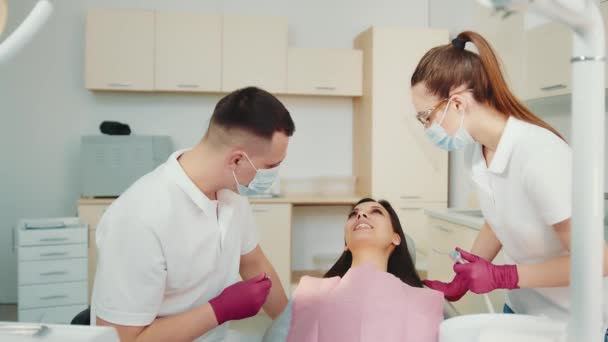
{"x": 178, "y": 175}
{"x": 502, "y": 156}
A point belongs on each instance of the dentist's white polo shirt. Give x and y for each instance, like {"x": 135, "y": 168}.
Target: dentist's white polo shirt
{"x": 165, "y": 248}
{"x": 527, "y": 189}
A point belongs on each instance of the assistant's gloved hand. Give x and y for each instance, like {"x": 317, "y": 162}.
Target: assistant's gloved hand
{"x": 483, "y": 276}
{"x": 241, "y": 300}
{"x": 453, "y": 290}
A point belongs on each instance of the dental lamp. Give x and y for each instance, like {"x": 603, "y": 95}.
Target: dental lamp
{"x": 25, "y": 31}
{"x": 588, "y": 94}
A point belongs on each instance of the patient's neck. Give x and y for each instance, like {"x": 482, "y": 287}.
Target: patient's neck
{"x": 377, "y": 258}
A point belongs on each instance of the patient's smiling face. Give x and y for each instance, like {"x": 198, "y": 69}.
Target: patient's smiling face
{"x": 369, "y": 225}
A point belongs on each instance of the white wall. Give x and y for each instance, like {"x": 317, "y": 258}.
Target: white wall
{"x": 45, "y": 108}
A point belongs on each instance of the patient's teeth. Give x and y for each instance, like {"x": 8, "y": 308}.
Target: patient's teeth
{"x": 363, "y": 226}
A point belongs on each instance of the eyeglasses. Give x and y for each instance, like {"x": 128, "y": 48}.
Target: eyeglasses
{"x": 425, "y": 115}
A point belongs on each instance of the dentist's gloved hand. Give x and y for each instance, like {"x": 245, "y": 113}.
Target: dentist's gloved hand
{"x": 453, "y": 290}
{"x": 483, "y": 276}
{"x": 241, "y": 300}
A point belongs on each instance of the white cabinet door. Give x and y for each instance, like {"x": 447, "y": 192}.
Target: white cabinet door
{"x": 254, "y": 53}
{"x": 549, "y": 49}
{"x": 188, "y": 53}
{"x": 274, "y": 229}
{"x": 337, "y": 72}
{"x": 120, "y": 50}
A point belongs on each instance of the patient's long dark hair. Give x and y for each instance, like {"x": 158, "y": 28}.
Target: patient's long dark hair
{"x": 400, "y": 262}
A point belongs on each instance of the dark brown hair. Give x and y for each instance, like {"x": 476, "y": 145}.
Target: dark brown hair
{"x": 400, "y": 263}
{"x": 449, "y": 66}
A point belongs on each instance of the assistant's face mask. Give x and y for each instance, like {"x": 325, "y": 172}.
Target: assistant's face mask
{"x": 261, "y": 182}
{"x": 438, "y": 136}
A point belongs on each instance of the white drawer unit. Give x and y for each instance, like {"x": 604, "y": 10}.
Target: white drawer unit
{"x": 52, "y": 269}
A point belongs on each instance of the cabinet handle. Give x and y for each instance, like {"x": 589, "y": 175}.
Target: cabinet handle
{"x": 119, "y": 85}
{"x": 325, "y": 88}
{"x": 53, "y": 239}
{"x": 55, "y": 273}
{"x": 409, "y": 197}
{"x": 410, "y": 208}
{"x": 53, "y": 254}
{"x": 444, "y": 229}
{"x": 436, "y": 251}
{"x": 260, "y": 210}
{"x": 54, "y": 297}
{"x": 188, "y": 86}
{"x": 554, "y": 87}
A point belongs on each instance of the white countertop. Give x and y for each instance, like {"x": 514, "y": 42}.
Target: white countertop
{"x": 471, "y": 218}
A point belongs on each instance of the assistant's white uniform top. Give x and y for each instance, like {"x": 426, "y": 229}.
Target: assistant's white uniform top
{"x": 526, "y": 189}
{"x": 165, "y": 248}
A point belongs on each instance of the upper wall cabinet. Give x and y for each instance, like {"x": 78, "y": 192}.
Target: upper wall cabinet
{"x": 548, "y": 52}
{"x": 120, "y": 50}
{"x": 254, "y": 53}
{"x": 138, "y": 50}
{"x": 188, "y": 52}
{"x": 325, "y": 71}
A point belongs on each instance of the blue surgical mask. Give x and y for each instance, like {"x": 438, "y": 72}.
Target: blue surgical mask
{"x": 261, "y": 182}
{"x": 438, "y": 136}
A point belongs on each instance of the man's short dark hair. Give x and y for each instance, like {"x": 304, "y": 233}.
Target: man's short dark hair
{"x": 253, "y": 110}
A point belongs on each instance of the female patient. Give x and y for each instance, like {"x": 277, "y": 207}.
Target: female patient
{"x": 372, "y": 293}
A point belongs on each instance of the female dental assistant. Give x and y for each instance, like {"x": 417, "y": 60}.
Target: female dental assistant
{"x": 521, "y": 168}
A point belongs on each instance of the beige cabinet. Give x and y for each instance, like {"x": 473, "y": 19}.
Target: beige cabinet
{"x": 392, "y": 156}
{"x": 336, "y": 72}
{"x": 274, "y": 229}
{"x": 548, "y": 52}
{"x": 188, "y": 52}
{"x": 446, "y": 236}
{"x": 507, "y": 37}
{"x": 254, "y": 53}
{"x": 120, "y": 50}
{"x": 414, "y": 222}
{"x": 90, "y": 212}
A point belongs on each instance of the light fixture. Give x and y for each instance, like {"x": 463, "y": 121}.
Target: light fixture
{"x": 25, "y": 31}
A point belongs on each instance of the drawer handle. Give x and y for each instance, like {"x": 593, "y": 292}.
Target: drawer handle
{"x": 188, "y": 86}
{"x": 54, "y": 297}
{"x": 554, "y": 87}
{"x": 325, "y": 88}
{"x": 119, "y": 85}
{"x": 410, "y": 197}
{"x": 436, "y": 251}
{"x": 260, "y": 210}
{"x": 55, "y": 273}
{"x": 410, "y": 208}
{"x": 54, "y": 239}
{"x": 53, "y": 254}
{"x": 444, "y": 229}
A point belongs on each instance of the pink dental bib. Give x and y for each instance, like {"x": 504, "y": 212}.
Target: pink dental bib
{"x": 366, "y": 305}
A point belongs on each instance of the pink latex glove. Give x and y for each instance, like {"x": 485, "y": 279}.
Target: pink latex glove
{"x": 453, "y": 290}
{"x": 241, "y": 300}
{"x": 483, "y": 276}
